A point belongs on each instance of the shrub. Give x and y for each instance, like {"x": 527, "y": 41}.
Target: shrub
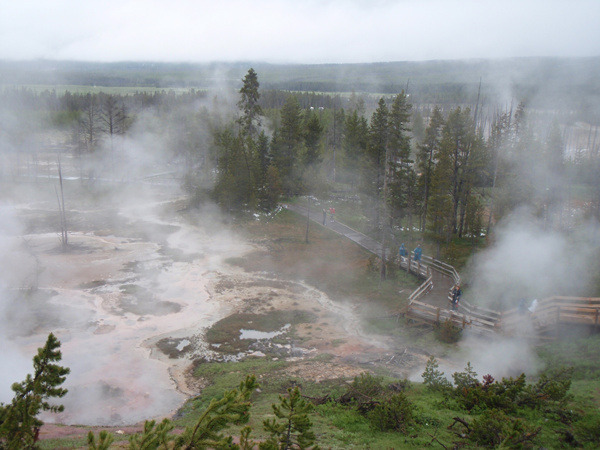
{"x": 552, "y": 387}
{"x": 294, "y": 429}
{"x": 448, "y": 332}
{"x": 433, "y": 378}
{"x": 394, "y": 414}
{"x": 494, "y": 429}
{"x": 467, "y": 379}
{"x": 587, "y": 429}
{"x": 367, "y": 385}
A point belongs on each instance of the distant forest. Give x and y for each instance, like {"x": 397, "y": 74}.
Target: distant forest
{"x": 567, "y": 84}
{"x": 437, "y": 156}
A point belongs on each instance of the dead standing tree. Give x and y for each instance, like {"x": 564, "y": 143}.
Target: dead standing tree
{"x": 64, "y": 238}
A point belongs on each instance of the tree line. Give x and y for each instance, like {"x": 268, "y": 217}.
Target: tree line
{"x": 448, "y": 174}
{"x": 447, "y": 171}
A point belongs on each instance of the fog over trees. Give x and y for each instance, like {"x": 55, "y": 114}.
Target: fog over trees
{"x": 451, "y": 169}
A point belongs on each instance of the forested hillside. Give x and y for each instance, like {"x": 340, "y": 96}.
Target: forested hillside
{"x": 560, "y": 83}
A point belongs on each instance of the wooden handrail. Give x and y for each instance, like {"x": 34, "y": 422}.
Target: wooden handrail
{"x": 549, "y": 311}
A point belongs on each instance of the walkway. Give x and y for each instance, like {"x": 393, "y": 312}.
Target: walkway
{"x": 437, "y": 294}
{"x": 429, "y": 303}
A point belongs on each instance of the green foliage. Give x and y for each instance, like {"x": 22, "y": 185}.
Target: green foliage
{"x": 551, "y": 387}
{"x": 467, "y": 379}
{"x": 587, "y": 429}
{"x": 433, "y": 378}
{"x": 582, "y": 353}
{"x": 19, "y": 425}
{"x": 232, "y": 408}
{"x": 104, "y": 441}
{"x": 367, "y": 385}
{"x": 153, "y": 437}
{"x": 448, "y": 332}
{"x": 394, "y": 414}
{"x": 494, "y": 429}
{"x": 248, "y": 105}
{"x": 245, "y": 442}
{"x": 294, "y": 431}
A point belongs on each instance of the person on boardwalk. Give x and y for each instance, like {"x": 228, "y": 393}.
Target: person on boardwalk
{"x": 324, "y": 217}
{"x": 331, "y": 213}
{"x": 402, "y": 251}
{"x": 418, "y": 253}
{"x": 455, "y": 295}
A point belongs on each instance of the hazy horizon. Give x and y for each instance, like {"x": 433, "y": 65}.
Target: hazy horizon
{"x": 287, "y": 32}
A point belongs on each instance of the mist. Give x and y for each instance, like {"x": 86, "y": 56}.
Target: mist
{"x": 307, "y": 32}
{"x": 136, "y": 269}
{"x": 528, "y": 261}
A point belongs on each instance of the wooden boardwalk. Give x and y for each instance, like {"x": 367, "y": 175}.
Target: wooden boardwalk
{"x": 430, "y": 302}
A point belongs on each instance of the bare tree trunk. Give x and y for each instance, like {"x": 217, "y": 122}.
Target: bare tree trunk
{"x": 64, "y": 238}
{"x": 307, "y": 218}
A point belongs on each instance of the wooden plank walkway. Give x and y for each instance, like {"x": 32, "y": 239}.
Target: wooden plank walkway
{"x": 430, "y": 302}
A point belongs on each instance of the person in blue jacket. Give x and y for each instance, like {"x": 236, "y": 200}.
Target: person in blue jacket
{"x": 418, "y": 252}
{"x": 402, "y": 250}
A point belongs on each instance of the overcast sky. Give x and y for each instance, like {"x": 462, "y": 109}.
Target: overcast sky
{"x": 299, "y": 31}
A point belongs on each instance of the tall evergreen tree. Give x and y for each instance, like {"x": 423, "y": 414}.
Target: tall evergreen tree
{"x": 288, "y": 146}
{"x": 400, "y": 169}
{"x": 250, "y": 119}
{"x": 555, "y": 176}
{"x": 375, "y": 167}
{"x": 426, "y": 158}
{"x": 313, "y": 132}
{"x": 354, "y": 145}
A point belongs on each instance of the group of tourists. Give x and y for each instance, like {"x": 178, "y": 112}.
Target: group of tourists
{"x": 455, "y": 292}
{"x": 331, "y": 216}
{"x": 417, "y": 252}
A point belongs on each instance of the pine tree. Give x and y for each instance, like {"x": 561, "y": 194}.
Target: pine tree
{"x": 313, "y": 131}
{"x": 234, "y": 187}
{"x": 354, "y": 145}
{"x": 400, "y": 168}
{"x": 105, "y": 439}
{"x": 294, "y": 430}
{"x": 287, "y": 146}
{"x": 153, "y": 437}
{"x": 426, "y": 160}
{"x": 232, "y": 408}
{"x": 248, "y": 104}
{"x": 376, "y": 164}
{"x": 19, "y": 425}
{"x": 555, "y": 173}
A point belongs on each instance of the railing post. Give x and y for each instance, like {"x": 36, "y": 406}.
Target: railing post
{"x": 408, "y": 263}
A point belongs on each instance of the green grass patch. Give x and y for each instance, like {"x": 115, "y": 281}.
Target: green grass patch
{"x": 582, "y": 353}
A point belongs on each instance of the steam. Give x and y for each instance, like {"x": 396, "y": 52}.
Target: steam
{"x": 136, "y": 271}
{"x": 15, "y": 266}
{"x": 528, "y": 261}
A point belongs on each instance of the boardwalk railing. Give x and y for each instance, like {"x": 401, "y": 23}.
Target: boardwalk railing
{"x": 478, "y": 319}
{"x": 550, "y": 312}
{"x": 420, "y": 270}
